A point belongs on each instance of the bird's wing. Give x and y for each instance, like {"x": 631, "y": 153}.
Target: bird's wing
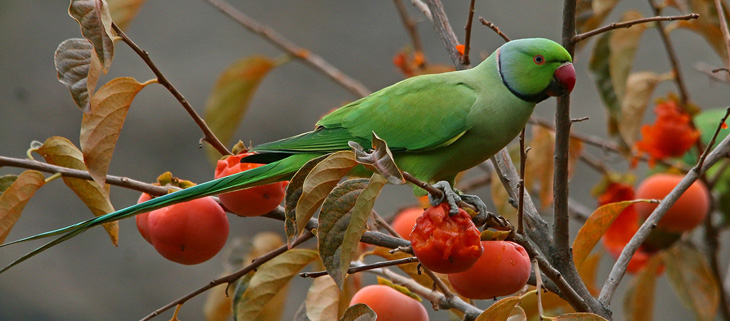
{"x": 416, "y": 114}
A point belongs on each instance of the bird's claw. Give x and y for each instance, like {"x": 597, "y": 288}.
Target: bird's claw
{"x": 449, "y": 196}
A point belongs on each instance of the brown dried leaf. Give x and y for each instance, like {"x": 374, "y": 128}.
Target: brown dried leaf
{"x": 100, "y": 129}
{"x": 78, "y": 70}
{"x": 380, "y": 160}
{"x": 319, "y": 182}
{"x": 708, "y": 25}
{"x": 230, "y": 97}
{"x": 359, "y": 312}
{"x": 639, "y": 299}
{"x": 322, "y": 302}
{"x": 62, "y": 152}
{"x": 579, "y": 316}
{"x": 96, "y": 26}
{"x": 590, "y": 13}
{"x": 639, "y": 89}
{"x": 692, "y": 280}
{"x": 14, "y": 198}
{"x": 293, "y": 193}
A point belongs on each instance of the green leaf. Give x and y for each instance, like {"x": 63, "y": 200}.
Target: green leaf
{"x": 62, "y": 152}
{"x": 323, "y": 298}
{"x": 293, "y": 193}
{"x": 6, "y": 181}
{"x": 611, "y": 62}
{"x": 124, "y": 11}
{"x": 100, "y": 129}
{"x": 594, "y": 228}
{"x": 359, "y": 312}
{"x": 96, "y": 26}
{"x": 500, "y": 310}
{"x": 78, "y": 70}
{"x": 342, "y": 223}
{"x": 319, "y": 182}
{"x": 230, "y": 97}
{"x": 268, "y": 280}
{"x": 639, "y": 299}
{"x": 15, "y": 197}
{"x": 691, "y": 278}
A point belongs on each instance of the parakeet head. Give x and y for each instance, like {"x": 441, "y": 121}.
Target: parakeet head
{"x": 534, "y": 69}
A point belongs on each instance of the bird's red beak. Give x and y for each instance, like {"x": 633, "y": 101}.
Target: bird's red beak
{"x": 563, "y": 80}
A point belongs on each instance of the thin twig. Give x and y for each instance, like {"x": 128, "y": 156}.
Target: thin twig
{"x": 538, "y": 286}
{"x": 714, "y": 137}
{"x": 495, "y": 28}
{"x": 315, "y": 61}
{"x": 673, "y": 61}
{"x": 445, "y": 32}
{"x": 628, "y": 24}
{"x": 521, "y": 185}
{"x": 410, "y": 26}
{"x": 361, "y": 268}
{"x": 467, "y": 36}
{"x": 76, "y": 173}
{"x": 231, "y": 277}
{"x": 619, "y": 268}
{"x": 208, "y": 134}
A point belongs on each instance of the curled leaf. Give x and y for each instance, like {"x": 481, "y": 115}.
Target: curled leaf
{"x": 359, "y": 312}
{"x": 96, "y": 26}
{"x": 101, "y": 127}
{"x": 380, "y": 160}
{"x": 15, "y": 197}
{"x": 78, "y": 70}
{"x": 230, "y": 97}
{"x": 62, "y": 152}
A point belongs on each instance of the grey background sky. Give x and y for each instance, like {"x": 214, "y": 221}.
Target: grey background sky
{"x": 191, "y": 42}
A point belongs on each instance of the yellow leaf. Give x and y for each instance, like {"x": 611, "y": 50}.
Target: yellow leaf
{"x": 123, "y": 11}
{"x": 230, "y": 97}
{"x": 691, "y": 278}
{"x": 319, "y": 182}
{"x": 500, "y": 310}
{"x": 587, "y": 272}
{"x": 594, "y": 228}
{"x": 14, "y": 198}
{"x": 269, "y": 279}
{"x": 62, "y": 152}
{"x": 101, "y": 127}
{"x": 322, "y": 302}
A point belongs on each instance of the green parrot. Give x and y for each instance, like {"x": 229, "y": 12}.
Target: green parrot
{"x": 435, "y": 125}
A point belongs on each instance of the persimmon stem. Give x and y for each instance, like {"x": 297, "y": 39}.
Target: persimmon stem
{"x": 208, "y": 134}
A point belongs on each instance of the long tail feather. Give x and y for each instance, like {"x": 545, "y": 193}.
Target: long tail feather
{"x": 277, "y": 171}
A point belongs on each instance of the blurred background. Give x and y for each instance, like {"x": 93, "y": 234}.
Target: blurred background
{"x": 192, "y": 43}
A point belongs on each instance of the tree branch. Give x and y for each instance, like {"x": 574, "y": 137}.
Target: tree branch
{"x": 495, "y": 28}
{"x": 467, "y": 36}
{"x": 209, "y": 136}
{"x": 315, "y": 61}
{"x": 447, "y": 35}
{"x": 629, "y": 24}
{"x": 409, "y": 25}
{"x": 76, "y": 173}
{"x": 683, "y": 95}
{"x": 619, "y": 268}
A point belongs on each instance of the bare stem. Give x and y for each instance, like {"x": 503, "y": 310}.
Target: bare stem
{"x": 467, "y": 37}
{"x": 495, "y": 28}
{"x": 410, "y": 25}
{"x": 521, "y": 185}
{"x": 683, "y": 95}
{"x": 209, "y": 136}
{"x": 315, "y": 61}
{"x": 75, "y": 173}
{"x": 361, "y": 268}
{"x": 628, "y": 24}
{"x": 445, "y": 32}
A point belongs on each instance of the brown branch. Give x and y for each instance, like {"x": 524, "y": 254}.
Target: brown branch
{"x": 521, "y": 185}
{"x": 75, "y": 173}
{"x": 209, "y": 136}
{"x": 629, "y": 24}
{"x": 495, "y": 28}
{"x": 315, "y": 61}
{"x": 673, "y": 61}
{"x": 467, "y": 37}
{"x": 445, "y": 32}
{"x": 410, "y": 26}
{"x": 361, "y": 268}
{"x": 231, "y": 277}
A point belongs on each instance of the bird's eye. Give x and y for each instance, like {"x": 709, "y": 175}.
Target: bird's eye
{"x": 538, "y": 59}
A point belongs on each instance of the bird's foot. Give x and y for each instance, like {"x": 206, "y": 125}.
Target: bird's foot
{"x": 449, "y": 196}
